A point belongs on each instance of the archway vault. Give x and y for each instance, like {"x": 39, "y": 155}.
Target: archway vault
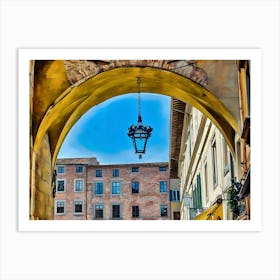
{"x": 79, "y": 98}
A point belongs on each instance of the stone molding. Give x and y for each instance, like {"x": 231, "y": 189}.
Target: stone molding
{"x": 80, "y": 70}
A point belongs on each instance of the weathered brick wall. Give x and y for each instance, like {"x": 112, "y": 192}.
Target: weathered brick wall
{"x": 148, "y": 199}
{"x": 70, "y": 195}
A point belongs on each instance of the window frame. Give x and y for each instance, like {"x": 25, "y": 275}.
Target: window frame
{"x": 160, "y": 186}
{"x": 79, "y": 179}
{"x": 98, "y": 173}
{"x": 74, "y": 208}
{"x": 206, "y": 181}
{"x": 94, "y": 188}
{"x": 64, "y": 180}
{"x": 163, "y": 168}
{"x": 214, "y": 162}
{"x": 60, "y": 166}
{"x": 116, "y": 172}
{"x": 138, "y": 190}
{"x": 135, "y": 169}
{"x": 120, "y": 211}
{"x": 59, "y": 201}
{"x": 166, "y": 207}
{"x": 77, "y": 167}
{"x": 137, "y": 212}
{"x": 174, "y": 195}
{"x": 226, "y": 159}
{"x": 112, "y": 187}
{"x": 103, "y": 211}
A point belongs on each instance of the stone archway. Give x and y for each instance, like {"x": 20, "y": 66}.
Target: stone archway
{"x": 62, "y": 91}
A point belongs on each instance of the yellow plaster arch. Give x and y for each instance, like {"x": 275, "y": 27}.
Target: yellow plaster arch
{"x": 80, "y": 97}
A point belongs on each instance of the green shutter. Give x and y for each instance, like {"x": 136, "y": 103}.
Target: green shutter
{"x": 198, "y": 185}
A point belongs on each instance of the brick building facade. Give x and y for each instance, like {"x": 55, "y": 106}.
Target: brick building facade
{"x": 87, "y": 190}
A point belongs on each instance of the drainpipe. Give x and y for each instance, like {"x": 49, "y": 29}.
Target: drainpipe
{"x": 243, "y": 108}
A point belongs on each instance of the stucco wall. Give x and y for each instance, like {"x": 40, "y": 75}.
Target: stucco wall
{"x": 43, "y": 203}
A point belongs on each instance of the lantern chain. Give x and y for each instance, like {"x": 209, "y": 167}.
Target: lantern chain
{"x": 139, "y": 90}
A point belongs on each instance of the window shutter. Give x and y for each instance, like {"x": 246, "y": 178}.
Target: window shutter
{"x": 199, "y": 200}
{"x": 170, "y": 195}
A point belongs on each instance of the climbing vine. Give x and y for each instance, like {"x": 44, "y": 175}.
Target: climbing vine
{"x": 234, "y": 198}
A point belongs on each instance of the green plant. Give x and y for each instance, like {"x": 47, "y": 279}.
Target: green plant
{"x": 234, "y": 198}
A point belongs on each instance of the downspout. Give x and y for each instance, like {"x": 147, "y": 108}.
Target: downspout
{"x": 243, "y": 108}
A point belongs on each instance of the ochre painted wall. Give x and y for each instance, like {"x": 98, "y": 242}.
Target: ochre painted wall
{"x": 42, "y": 202}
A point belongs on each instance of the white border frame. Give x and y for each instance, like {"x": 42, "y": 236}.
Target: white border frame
{"x": 25, "y": 55}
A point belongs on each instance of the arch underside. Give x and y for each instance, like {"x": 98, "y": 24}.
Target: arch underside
{"x": 75, "y": 100}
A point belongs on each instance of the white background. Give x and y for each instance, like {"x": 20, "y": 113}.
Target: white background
{"x": 139, "y": 255}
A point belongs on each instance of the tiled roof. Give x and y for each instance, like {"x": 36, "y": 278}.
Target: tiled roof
{"x": 88, "y": 161}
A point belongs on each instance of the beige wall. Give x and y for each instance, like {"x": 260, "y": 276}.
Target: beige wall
{"x": 201, "y": 141}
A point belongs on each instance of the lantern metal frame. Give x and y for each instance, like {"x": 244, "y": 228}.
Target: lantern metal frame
{"x": 139, "y": 132}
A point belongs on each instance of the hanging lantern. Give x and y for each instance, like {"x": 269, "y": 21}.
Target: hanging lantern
{"x": 139, "y": 133}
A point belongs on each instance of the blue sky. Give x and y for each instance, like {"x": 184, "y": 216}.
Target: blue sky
{"x": 102, "y": 131}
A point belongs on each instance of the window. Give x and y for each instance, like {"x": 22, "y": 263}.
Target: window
{"x": 98, "y": 173}
{"x": 176, "y": 215}
{"x": 115, "y": 172}
{"x": 162, "y": 168}
{"x": 214, "y": 164}
{"x": 163, "y": 210}
{"x": 99, "y": 211}
{"x": 116, "y": 211}
{"x": 135, "y": 211}
{"x": 60, "y": 169}
{"x": 116, "y": 188}
{"x": 79, "y": 185}
{"x": 60, "y": 207}
{"x": 60, "y": 186}
{"x": 231, "y": 165}
{"x": 198, "y": 186}
{"x": 163, "y": 186}
{"x": 174, "y": 195}
{"x": 134, "y": 169}
{"x": 78, "y": 207}
{"x": 98, "y": 186}
{"x": 79, "y": 169}
{"x": 196, "y": 193}
{"x": 135, "y": 187}
{"x": 225, "y": 156}
{"x": 206, "y": 182}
